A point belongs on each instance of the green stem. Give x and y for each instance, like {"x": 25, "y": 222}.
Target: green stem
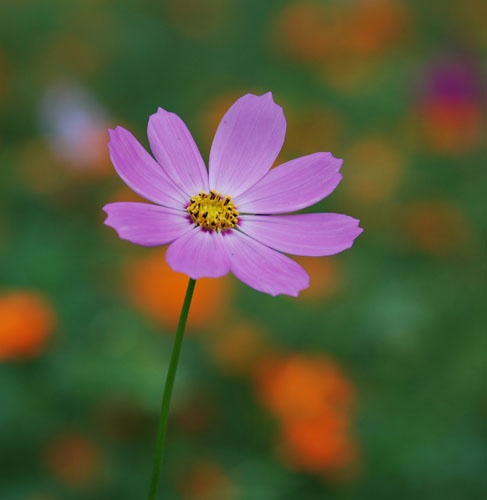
{"x": 166, "y": 398}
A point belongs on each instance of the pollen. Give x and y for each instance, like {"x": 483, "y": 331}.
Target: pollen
{"x": 213, "y": 211}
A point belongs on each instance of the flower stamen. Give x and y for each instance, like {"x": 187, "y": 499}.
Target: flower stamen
{"x": 213, "y": 211}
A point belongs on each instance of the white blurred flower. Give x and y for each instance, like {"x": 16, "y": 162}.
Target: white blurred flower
{"x": 74, "y": 124}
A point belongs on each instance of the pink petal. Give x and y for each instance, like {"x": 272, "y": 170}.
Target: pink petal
{"x": 304, "y": 234}
{"x": 199, "y": 254}
{"x": 144, "y": 224}
{"x": 177, "y": 154}
{"x": 293, "y": 185}
{"x": 140, "y": 171}
{"x": 246, "y": 143}
{"x": 262, "y": 268}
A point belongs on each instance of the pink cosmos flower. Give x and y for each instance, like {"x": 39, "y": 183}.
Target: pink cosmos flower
{"x": 223, "y": 219}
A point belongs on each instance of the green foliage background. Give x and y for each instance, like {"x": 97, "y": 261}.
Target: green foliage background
{"x": 407, "y": 326}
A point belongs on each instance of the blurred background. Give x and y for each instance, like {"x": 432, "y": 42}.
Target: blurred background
{"x": 370, "y": 385}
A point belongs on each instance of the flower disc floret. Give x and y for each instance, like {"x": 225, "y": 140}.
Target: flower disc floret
{"x": 213, "y": 211}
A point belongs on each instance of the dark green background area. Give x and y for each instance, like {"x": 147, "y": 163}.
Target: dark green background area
{"x": 408, "y": 326}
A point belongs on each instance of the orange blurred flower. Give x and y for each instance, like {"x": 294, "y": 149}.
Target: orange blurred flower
{"x": 313, "y": 32}
{"x": 451, "y": 126}
{"x": 436, "y": 227}
{"x": 342, "y": 40}
{"x": 27, "y": 320}
{"x": 206, "y": 480}
{"x": 313, "y": 401}
{"x": 74, "y": 459}
{"x": 376, "y": 26}
{"x": 319, "y": 443}
{"x": 302, "y": 386}
{"x": 156, "y": 290}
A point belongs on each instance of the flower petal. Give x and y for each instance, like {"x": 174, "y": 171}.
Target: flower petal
{"x": 140, "y": 171}
{"x": 246, "y": 143}
{"x": 293, "y": 185}
{"x": 176, "y": 152}
{"x": 199, "y": 254}
{"x": 263, "y": 268}
{"x": 303, "y": 234}
{"x": 144, "y": 224}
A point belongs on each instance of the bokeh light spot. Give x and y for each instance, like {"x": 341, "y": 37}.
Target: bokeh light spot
{"x": 156, "y": 290}
{"x": 27, "y": 321}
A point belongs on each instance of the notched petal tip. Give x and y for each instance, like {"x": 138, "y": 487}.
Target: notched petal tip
{"x": 108, "y": 209}
{"x": 339, "y": 161}
{"x": 359, "y": 230}
{"x": 328, "y": 157}
{"x": 163, "y": 112}
{"x": 353, "y": 223}
{"x": 109, "y": 222}
{"x": 268, "y": 96}
{"x": 116, "y": 130}
{"x": 115, "y": 133}
{"x": 108, "y": 219}
{"x": 356, "y": 232}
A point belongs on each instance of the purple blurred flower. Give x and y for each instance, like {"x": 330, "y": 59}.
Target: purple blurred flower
{"x": 209, "y": 217}
{"x": 449, "y": 102}
{"x": 451, "y": 78}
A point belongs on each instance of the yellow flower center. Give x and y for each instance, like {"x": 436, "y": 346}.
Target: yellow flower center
{"x": 213, "y": 211}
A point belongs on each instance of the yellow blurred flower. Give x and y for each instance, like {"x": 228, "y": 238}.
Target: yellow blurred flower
{"x": 375, "y": 168}
{"x": 198, "y": 19}
{"x": 312, "y": 128}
